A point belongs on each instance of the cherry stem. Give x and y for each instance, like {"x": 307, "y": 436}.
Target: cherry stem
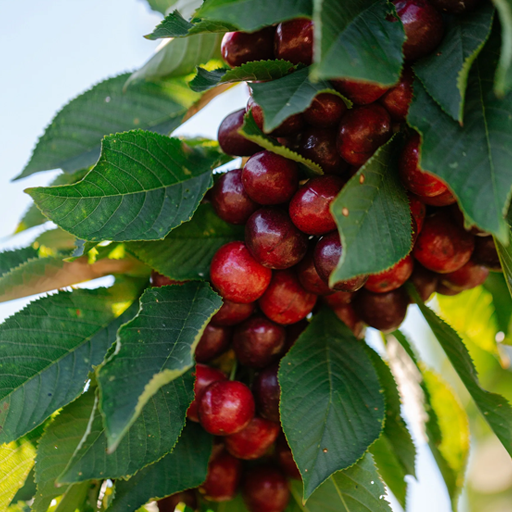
{"x": 233, "y": 370}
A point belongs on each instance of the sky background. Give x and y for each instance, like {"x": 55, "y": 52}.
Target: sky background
{"x": 53, "y": 50}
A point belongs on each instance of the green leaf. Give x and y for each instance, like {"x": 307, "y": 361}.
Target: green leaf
{"x": 161, "y": 5}
{"x": 122, "y": 200}
{"x": 164, "y": 335}
{"x": 72, "y": 141}
{"x": 251, "y": 131}
{"x": 474, "y": 159}
{"x": 503, "y": 82}
{"x": 184, "y": 468}
{"x": 9, "y": 260}
{"x": 465, "y": 37}
{"x": 75, "y": 498}
{"x": 505, "y": 255}
{"x": 235, "y": 505}
{"x": 256, "y": 70}
{"x": 502, "y": 302}
{"x": 328, "y": 378}
{"x": 48, "y": 349}
{"x": 56, "y": 239}
{"x": 152, "y": 436}
{"x": 251, "y": 15}
{"x": 356, "y": 40}
{"x": 373, "y": 218}
{"x": 280, "y": 99}
{"x": 28, "y": 491}
{"x": 186, "y": 253}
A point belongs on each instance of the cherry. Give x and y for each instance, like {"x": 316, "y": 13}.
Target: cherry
{"x": 269, "y": 178}
{"x": 223, "y": 477}
{"x": 237, "y": 275}
{"x": 237, "y": 48}
{"x": 338, "y": 299}
{"x": 486, "y": 254}
{"x": 157, "y": 280}
{"x": 310, "y": 206}
{"x": 230, "y": 200}
{"x": 170, "y": 503}
{"x": 467, "y": 277}
{"x": 319, "y": 146}
{"x": 392, "y": 278}
{"x": 230, "y": 141}
{"x": 254, "y": 440}
{"x": 359, "y": 92}
{"x": 349, "y": 317}
{"x": 273, "y": 239}
{"x": 294, "y": 41}
{"x": 205, "y": 375}
{"x": 290, "y": 126}
{"x": 397, "y": 100}
{"x": 214, "y": 342}
{"x": 265, "y": 489}
{"x": 293, "y": 332}
{"x": 226, "y": 407}
{"x": 423, "y": 25}
{"x": 442, "y": 246}
{"x": 267, "y": 392}
{"x": 446, "y": 290}
{"x": 424, "y": 280}
{"x": 458, "y": 217}
{"x": 285, "y": 458}
{"x": 444, "y": 199}
{"x": 232, "y": 313}
{"x": 285, "y": 301}
{"x": 454, "y": 6}
{"x": 325, "y": 110}
{"x": 326, "y": 256}
{"x": 362, "y": 131}
{"x": 418, "y": 212}
{"x": 258, "y": 342}
{"x": 383, "y": 311}
{"x": 308, "y": 276}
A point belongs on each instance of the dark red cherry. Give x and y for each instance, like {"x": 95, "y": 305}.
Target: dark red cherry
{"x": 294, "y": 41}
{"x": 157, "y": 280}
{"x": 383, "y": 311}
{"x": 418, "y": 212}
{"x": 170, "y": 503}
{"x": 254, "y": 440}
{"x": 258, "y": 342}
{"x": 446, "y": 290}
{"x": 290, "y": 126}
{"x": 308, "y": 276}
{"x": 269, "y": 178}
{"x": 265, "y": 489}
{"x": 423, "y": 25}
{"x": 267, "y": 392}
{"x": 444, "y": 199}
{"x": 230, "y": 200}
{"x": 397, "y": 100}
{"x": 285, "y": 301}
{"x": 392, "y": 278}
{"x": 486, "y": 254}
{"x": 338, "y": 299}
{"x": 454, "y": 6}
{"x": 226, "y": 407}
{"x": 223, "y": 477}
{"x": 424, "y": 280}
{"x": 237, "y": 275}
{"x": 361, "y": 93}
{"x": 325, "y": 110}
{"x": 205, "y": 375}
{"x": 273, "y": 239}
{"x": 346, "y": 313}
{"x": 326, "y": 256}
{"x": 467, "y": 277}
{"x": 285, "y": 458}
{"x": 232, "y": 313}
{"x": 214, "y": 342}
{"x": 230, "y": 141}
{"x": 237, "y": 48}
{"x": 362, "y": 131}
{"x": 310, "y": 206}
{"x": 293, "y": 332}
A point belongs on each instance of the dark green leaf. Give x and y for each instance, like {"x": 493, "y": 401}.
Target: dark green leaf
{"x": 235, "y": 505}
{"x": 503, "y": 83}
{"x": 502, "y": 302}
{"x": 328, "y": 378}
{"x": 505, "y": 255}
{"x": 9, "y": 260}
{"x": 184, "y": 468}
{"x": 355, "y": 39}
{"x": 465, "y": 37}
{"x": 373, "y": 218}
{"x": 28, "y": 491}
{"x": 164, "y": 335}
{"x": 75, "y": 498}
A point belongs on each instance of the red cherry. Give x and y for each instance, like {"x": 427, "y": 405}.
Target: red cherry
{"x": 170, "y": 503}
{"x": 392, "y": 278}
{"x": 214, "y": 342}
{"x": 269, "y": 178}
{"x": 267, "y": 392}
{"x": 424, "y": 280}
{"x": 226, "y": 407}
{"x": 265, "y": 489}
{"x": 486, "y": 254}
{"x": 230, "y": 141}
{"x": 467, "y": 277}
{"x": 294, "y": 41}
{"x": 285, "y": 301}
{"x": 454, "y": 6}
{"x": 362, "y": 131}
{"x": 285, "y": 458}
{"x": 325, "y": 110}
{"x": 348, "y": 316}
{"x": 157, "y": 280}
{"x": 446, "y": 290}
{"x": 237, "y": 48}
{"x": 444, "y": 199}
{"x": 397, "y": 100}
{"x": 361, "y": 93}
{"x": 309, "y": 278}
{"x": 338, "y": 299}
{"x": 232, "y": 313}
{"x": 290, "y": 126}
{"x": 237, "y": 275}
{"x": 223, "y": 477}
{"x": 418, "y": 212}
{"x": 205, "y": 375}
{"x": 254, "y": 440}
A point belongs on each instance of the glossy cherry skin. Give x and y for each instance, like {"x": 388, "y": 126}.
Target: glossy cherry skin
{"x": 232, "y": 313}
{"x": 285, "y": 301}
{"x": 310, "y": 206}
{"x": 267, "y": 392}
{"x": 383, "y": 311}
{"x": 230, "y": 200}
{"x": 454, "y": 6}
{"x": 325, "y": 111}
{"x": 418, "y": 212}
{"x": 237, "y": 275}
{"x": 423, "y": 25}
{"x": 237, "y": 48}
{"x": 214, "y": 342}
{"x": 273, "y": 239}
{"x": 362, "y": 131}
{"x": 230, "y": 141}
{"x": 223, "y": 477}
{"x": 347, "y": 314}
{"x": 226, "y": 407}
{"x": 392, "y": 278}
{"x": 309, "y": 278}
{"x": 290, "y": 126}
{"x": 285, "y": 458}
{"x": 424, "y": 280}
{"x": 442, "y": 246}
{"x": 360, "y": 93}
{"x": 294, "y": 41}
{"x": 170, "y": 503}
{"x": 205, "y": 375}
{"x": 485, "y": 253}
{"x": 319, "y": 146}
{"x": 258, "y": 342}
{"x": 444, "y": 199}
{"x": 157, "y": 280}
{"x": 326, "y": 256}
{"x": 467, "y": 277}
{"x": 397, "y": 100}
{"x": 265, "y": 489}
{"x": 269, "y": 178}
{"x": 254, "y": 440}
